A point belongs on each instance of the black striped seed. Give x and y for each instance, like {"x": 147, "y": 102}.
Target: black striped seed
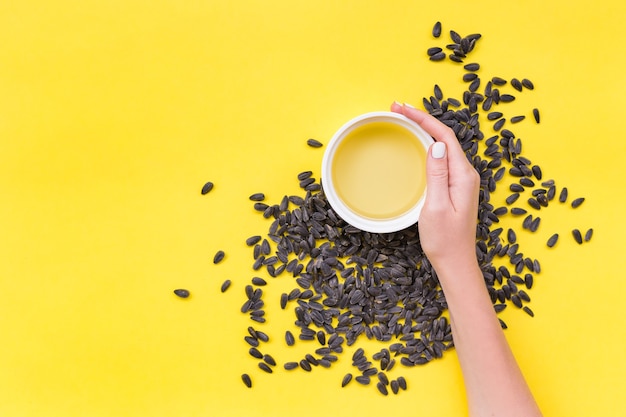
{"x": 257, "y": 197}
{"x": 552, "y": 240}
{"x": 506, "y": 98}
{"x": 434, "y": 50}
{"x": 512, "y": 198}
{"x": 536, "y": 115}
{"x": 262, "y": 336}
{"x": 577, "y": 236}
{"x": 438, "y": 56}
{"x": 516, "y": 84}
{"x": 246, "y": 380}
{"x": 314, "y": 143}
{"x": 363, "y": 380}
{"x": 472, "y": 67}
{"x": 289, "y": 338}
{"x": 346, "y": 380}
{"x": 534, "y": 203}
{"x": 498, "y": 125}
{"x": 402, "y": 382}
{"x": 206, "y": 188}
{"x": 304, "y": 364}
{"x": 528, "y": 311}
{"x": 182, "y": 293}
{"x": 225, "y": 285}
{"x": 577, "y": 202}
{"x": 283, "y": 300}
{"x": 518, "y": 211}
{"x": 588, "y": 235}
{"x": 269, "y": 360}
{"x": 395, "y": 387}
{"x": 219, "y": 256}
{"x": 517, "y": 119}
{"x": 253, "y": 240}
{"x": 254, "y": 352}
{"x": 259, "y": 281}
{"x": 528, "y": 84}
{"x": 494, "y": 115}
{"x": 563, "y": 195}
{"x": 382, "y": 388}
{"x": 498, "y": 81}
{"x": 290, "y": 365}
{"x": 265, "y": 368}
{"x": 437, "y": 30}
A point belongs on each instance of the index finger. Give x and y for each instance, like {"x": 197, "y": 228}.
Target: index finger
{"x": 436, "y": 129}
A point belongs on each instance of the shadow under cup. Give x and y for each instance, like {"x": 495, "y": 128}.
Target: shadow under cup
{"x": 374, "y": 171}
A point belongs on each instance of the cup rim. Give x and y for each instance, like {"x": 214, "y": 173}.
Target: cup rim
{"x": 394, "y": 224}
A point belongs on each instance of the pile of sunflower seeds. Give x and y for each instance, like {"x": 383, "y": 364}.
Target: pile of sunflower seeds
{"x": 351, "y": 284}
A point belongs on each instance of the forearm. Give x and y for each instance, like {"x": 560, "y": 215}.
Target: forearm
{"x": 494, "y": 383}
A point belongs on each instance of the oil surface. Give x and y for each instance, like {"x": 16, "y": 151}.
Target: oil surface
{"x": 379, "y": 170}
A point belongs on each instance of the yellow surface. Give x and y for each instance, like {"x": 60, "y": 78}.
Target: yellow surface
{"x": 113, "y": 114}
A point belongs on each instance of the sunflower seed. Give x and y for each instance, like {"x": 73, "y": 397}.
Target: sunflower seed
{"x": 304, "y": 364}
{"x": 289, "y": 338}
{"x": 577, "y": 236}
{"x": 402, "y": 382}
{"x": 438, "y": 56}
{"x": 432, "y": 51}
{"x": 253, "y": 240}
{"x": 512, "y": 198}
{"x": 382, "y": 388}
{"x": 517, "y": 119}
{"x": 257, "y": 197}
{"x": 518, "y": 211}
{"x": 255, "y": 353}
{"x": 528, "y": 84}
{"x": 577, "y": 202}
{"x": 182, "y": 293}
{"x": 269, "y": 360}
{"x": 313, "y": 143}
{"x": 563, "y": 195}
{"x": 498, "y": 125}
{"x": 290, "y": 365}
{"x": 395, "y": 387}
{"x": 219, "y": 256}
{"x": 246, "y": 380}
{"x": 536, "y": 115}
{"x": 552, "y": 240}
{"x": 362, "y": 379}
{"x": 265, "y": 368}
{"x": 588, "y": 235}
{"x": 506, "y": 98}
{"x": 528, "y": 311}
{"x": 225, "y": 285}
{"x": 516, "y": 84}
{"x": 206, "y": 188}
{"x": 346, "y": 379}
{"x": 472, "y": 67}
{"x": 437, "y": 30}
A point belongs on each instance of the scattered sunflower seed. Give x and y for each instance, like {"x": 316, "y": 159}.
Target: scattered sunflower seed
{"x": 182, "y": 293}
{"x": 206, "y": 188}
{"x": 553, "y": 239}
{"x": 257, "y": 197}
{"x": 314, "y": 143}
{"x": 246, "y": 380}
{"x": 588, "y": 235}
{"x": 577, "y": 236}
{"x": 577, "y": 202}
{"x": 219, "y": 256}
{"x": 225, "y": 285}
{"x": 437, "y": 30}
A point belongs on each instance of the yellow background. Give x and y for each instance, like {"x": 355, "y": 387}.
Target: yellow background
{"x": 113, "y": 114}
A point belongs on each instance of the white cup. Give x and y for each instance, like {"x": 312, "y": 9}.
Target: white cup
{"x": 376, "y": 225}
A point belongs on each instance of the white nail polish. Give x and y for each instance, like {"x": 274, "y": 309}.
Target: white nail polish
{"x": 409, "y": 106}
{"x": 438, "y": 150}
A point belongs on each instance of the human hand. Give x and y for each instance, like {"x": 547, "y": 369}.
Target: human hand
{"x": 447, "y": 223}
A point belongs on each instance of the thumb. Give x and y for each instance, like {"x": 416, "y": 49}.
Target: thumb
{"x": 437, "y": 193}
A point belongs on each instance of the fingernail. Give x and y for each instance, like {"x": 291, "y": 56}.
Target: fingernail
{"x": 438, "y": 150}
{"x": 409, "y": 106}
{"x": 399, "y": 104}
